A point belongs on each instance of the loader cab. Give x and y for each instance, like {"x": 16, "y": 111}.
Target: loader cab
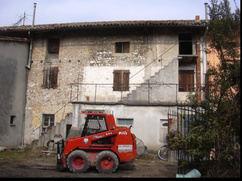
{"x": 94, "y": 123}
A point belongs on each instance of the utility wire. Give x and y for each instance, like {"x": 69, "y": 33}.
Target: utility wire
{"x": 152, "y": 61}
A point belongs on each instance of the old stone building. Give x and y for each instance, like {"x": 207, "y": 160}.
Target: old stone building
{"x": 137, "y": 70}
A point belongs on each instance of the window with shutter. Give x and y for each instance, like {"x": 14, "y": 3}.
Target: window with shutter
{"x": 53, "y": 77}
{"x": 186, "y": 80}
{"x": 121, "y": 80}
{"x": 50, "y": 77}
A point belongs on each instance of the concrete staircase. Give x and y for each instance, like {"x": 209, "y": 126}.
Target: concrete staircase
{"x": 159, "y": 88}
{"x": 55, "y": 133}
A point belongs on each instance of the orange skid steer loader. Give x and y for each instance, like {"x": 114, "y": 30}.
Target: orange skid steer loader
{"x": 100, "y": 143}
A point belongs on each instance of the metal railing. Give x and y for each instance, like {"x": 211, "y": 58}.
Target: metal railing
{"x": 149, "y": 92}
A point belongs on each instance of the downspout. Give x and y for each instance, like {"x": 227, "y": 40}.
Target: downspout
{"x": 28, "y": 66}
{"x": 205, "y": 49}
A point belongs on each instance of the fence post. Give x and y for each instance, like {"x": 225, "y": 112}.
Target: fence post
{"x": 176, "y": 93}
{"x": 121, "y": 95}
{"x": 95, "y": 93}
{"x": 148, "y": 91}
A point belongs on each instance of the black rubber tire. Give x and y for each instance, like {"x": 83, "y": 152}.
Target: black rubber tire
{"x": 75, "y": 154}
{"x": 163, "y": 153}
{"x": 102, "y": 155}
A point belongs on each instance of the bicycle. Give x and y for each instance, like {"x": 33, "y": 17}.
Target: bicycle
{"x": 163, "y": 152}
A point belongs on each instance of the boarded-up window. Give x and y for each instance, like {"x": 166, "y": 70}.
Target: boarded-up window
{"x": 48, "y": 120}
{"x": 50, "y": 77}
{"x": 53, "y": 46}
{"x": 122, "y": 47}
{"x": 186, "y": 80}
{"x": 121, "y": 80}
{"x": 125, "y": 121}
{"x": 185, "y": 44}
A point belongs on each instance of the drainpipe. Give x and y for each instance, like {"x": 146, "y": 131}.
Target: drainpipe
{"x": 28, "y": 66}
{"x": 205, "y": 46}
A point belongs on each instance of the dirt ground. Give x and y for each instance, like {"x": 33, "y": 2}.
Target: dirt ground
{"x": 33, "y": 163}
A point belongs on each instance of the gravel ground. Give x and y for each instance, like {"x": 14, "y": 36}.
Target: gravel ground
{"x": 33, "y": 163}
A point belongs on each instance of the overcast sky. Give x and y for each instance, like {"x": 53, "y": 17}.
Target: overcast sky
{"x": 65, "y": 11}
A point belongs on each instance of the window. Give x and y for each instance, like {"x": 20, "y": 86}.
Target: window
{"x": 125, "y": 121}
{"x": 122, "y": 47}
{"x": 186, "y": 80}
{"x": 48, "y": 120}
{"x": 185, "y": 44}
{"x": 164, "y": 123}
{"x": 53, "y": 46}
{"x": 94, "y": 124}
{"x": 121, "y": 80}
{"x": 12, "y": 120}
{"x": 50, "y": 77}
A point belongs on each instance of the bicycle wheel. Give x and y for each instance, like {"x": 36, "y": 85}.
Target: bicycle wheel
{"x": 163, "y": 153}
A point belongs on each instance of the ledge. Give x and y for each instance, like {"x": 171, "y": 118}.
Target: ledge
{"x": 131, "y": 103}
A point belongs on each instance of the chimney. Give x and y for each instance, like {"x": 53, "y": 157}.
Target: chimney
{"x": 34, "y": 14}
{"x": 206, "y": 11}
{"x": 197, "y": 19}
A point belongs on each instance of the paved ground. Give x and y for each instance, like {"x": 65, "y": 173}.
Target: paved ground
{"x": 32, "y": 163}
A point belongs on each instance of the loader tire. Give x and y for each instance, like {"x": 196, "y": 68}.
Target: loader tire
{"x": 77, "y": 161}
{"x": 106, "y": 162}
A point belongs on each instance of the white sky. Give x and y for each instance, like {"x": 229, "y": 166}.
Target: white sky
{"x": 64, "y": 11}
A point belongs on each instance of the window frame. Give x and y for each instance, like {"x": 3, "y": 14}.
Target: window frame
{"x": 125, "y": 119}
{"x": 53, "y": 46}
{"x": 49, "y": 117}
{"x": 121, "y": 80}
{"x": 122, "y": 47}
{"x": 185, "y": 44}
{"x": 85, "y": 128}
{"x": 50, "y": 77}
{"x": 186, "y": 87}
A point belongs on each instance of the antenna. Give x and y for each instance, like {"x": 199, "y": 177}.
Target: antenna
{"x": 24, "y": 19}
{"x": 21, "y": 19}
{"x": 34, "y": 14}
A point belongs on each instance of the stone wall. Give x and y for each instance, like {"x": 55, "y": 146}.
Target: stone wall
{"x": 80, "y": 56}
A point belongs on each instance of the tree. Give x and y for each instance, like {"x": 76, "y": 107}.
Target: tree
{"x": 219, "y": 128}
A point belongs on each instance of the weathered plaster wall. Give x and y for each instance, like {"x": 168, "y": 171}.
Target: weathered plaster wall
{"x": 89, "y": 59}
{"x": 13, "y": 59}
{"x": 146, "y": 124}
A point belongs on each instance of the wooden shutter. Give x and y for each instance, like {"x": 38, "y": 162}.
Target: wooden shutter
{"x": 120, "y": 80}
{"x": 186, "y": 80}
{"x": 125, "y": 81}
{"x": 53, "y": 77}
{"x": 126, "y": 47}
{"x": 46, "y": 77}
{"x": 117, "y": 77}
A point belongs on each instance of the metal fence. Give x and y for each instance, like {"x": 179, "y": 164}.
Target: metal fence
{"x": 145, "y": 92}
{"x": 184, "y": 117}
